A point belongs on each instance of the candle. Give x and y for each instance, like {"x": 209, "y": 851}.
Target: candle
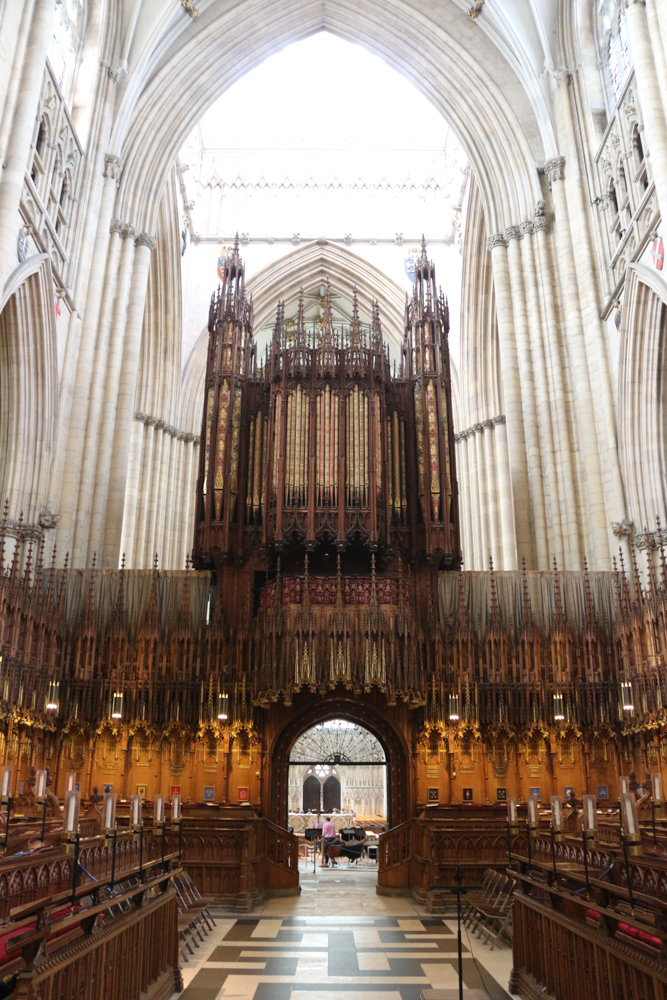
{"x": 511, "y": 810}
{"x": 624, "y": 785}
{"x": 72, "y": 802}
{"x": 41, "y": 785}
{"x": 532, "y": 810}
{"x": 6, "y": 779}
{"x": 556, "y": 812}
{"x": 136, "y": 810}
{"x": 626, "y": 806}
{"x": 109, "y": 810}
{"x": 176, "y": 808}
{"x": 590, "y": 811}
{"x": 69, "y": 787}
{"x": 159, "y": 808}
{"x": 657, "y": 788}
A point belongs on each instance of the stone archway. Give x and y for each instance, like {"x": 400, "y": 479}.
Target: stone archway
{"x": 391, "y": 727}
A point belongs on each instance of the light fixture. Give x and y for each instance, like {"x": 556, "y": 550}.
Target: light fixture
{"x": 626, "y": 696}
{"x": 453, "y": 708}
{"x": 117, "y": 705}
{"x": 559, "y": 713}
{"x": 52, "y": 696}
{"x": 223, "y": 705}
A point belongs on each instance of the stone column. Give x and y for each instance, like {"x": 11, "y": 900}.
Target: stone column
{"x": 648, "y": 88}
{"x": 489, "y": 443}
{"x": 125, "y": 400}
{"x": 172, "y": 473}
{"x": 519, "y": 498}
{"x": 505, "y": 508}
{"x": 482, "y": 496}
{"x": 590, "y": 473}
{"x": 88, "y": 348}
{"x": 141, "y": 439}
{"x": 166, "y": 462}
{"x": 16, "y": 23}
{"x": 464, "y": 497}
{"x": 536, "y": 328}
{"x": 20, "y": 138}
{"x": 153, "y": 493}
{"x": 657, "y": 48}
{"x": 475, "y": 512}
{"x": 527, "y": 385}
{"x": 172, "y": 559}
{"x": 566, "y": 480}
{"x": 101, "y": 438}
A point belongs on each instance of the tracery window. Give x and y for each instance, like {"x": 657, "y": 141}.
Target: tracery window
{"x": 65, "y": 43}
{"x": 615, "y": 56}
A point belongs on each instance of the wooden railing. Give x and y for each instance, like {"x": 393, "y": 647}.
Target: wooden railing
{"x": 48, "y": 872}
{"x": 123, "y": 947}
{"x": 425, "y": 852}
{"x": 237, "y": 860}
{"x": 579, "y": 941}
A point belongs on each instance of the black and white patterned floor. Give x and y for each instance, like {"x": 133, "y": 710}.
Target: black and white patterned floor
{"x": 341, "y": 957}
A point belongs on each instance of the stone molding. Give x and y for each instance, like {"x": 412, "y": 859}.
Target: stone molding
{"x": 554, "y": 169}
{"x": 496, "y": 240}
{"x": 145, "y": 240}
{"x": 162, "y": 425}
{"x": 526, "y": 228}
{"x": 477, "y": 428}
{"x": 113, "y": 166}
{"x": 513, "y": 233}
{"x": 650, "y": 539}
{"x": 539, "y": 222}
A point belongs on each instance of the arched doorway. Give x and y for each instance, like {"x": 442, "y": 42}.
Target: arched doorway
{"x": 311, "y": 794}
{"x": 389, "y": 729}
{"x": 331, "y": 794}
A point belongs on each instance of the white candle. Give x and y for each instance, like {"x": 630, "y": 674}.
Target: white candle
{"x": 109, "y": 813}
{"x": 556, "y": 811}
{"x": 532, "y": 809}
{"x": 629, "y": 817}
{"x": 591, "y": 813}
{"x": 70, "y": 782}
{"x": 136, "y": 806}
{"x": 511, "y": 808}
{"x": 657, "y": 788}
{"x": 6, "y": 776}
{"x": 41, "y": 785}
{"x": 624, "y": 785}
{"x": 71, "y": 813}
{"x": 159, "y": 806}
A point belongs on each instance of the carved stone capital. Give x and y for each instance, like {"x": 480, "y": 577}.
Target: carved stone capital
{"x": 478, "y": 428}
{"x": 151, "y": 421}
{"x": 115, "y": 226}
{"x": 624, "y": 527}
{"x": 145, "y": 240}
{"x": 487, "y": 424}
{"x": 539, "y": 223}
{"x": 554, "y": 169}
{"x": 513, "y": 233}
{"x": 496, "y": 240}
{"x": 48, "y": 518}
{"x": 499, "y": 419}
{"x": 113, "y": 166}
{"x": 127, "y": 232}
{"x": 526, "y": 228}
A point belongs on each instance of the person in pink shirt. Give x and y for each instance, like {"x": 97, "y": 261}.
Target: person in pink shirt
{"x": 328, "y": 837}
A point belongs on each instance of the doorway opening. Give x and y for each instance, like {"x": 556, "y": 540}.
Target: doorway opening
{"x": 337, "y": 772}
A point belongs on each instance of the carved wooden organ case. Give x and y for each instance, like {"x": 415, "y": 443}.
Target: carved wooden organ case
{"x": 320, "y": 444}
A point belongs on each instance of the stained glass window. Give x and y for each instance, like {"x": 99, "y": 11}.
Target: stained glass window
{"x": 614, "y": 46}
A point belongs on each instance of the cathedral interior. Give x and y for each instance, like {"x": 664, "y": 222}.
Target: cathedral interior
{"x": 333, "y": 473}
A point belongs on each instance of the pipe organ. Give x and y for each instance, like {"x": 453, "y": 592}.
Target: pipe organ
{"x": 320, "y": 443}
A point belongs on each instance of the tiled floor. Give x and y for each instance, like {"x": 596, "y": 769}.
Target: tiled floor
{"x": 338, "y": 941}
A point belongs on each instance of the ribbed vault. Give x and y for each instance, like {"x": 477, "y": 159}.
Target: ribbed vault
{"x": 152, "y": 124}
